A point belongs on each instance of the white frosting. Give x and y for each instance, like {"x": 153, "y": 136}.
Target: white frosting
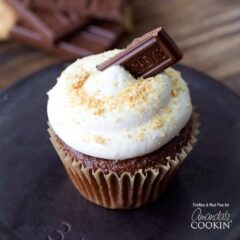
{"x": 111, "y": 114}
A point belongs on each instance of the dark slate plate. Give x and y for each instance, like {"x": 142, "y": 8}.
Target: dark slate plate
{"x": 38, "y": 201}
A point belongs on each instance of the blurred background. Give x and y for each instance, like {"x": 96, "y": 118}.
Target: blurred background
{"x": 207, "y": 31}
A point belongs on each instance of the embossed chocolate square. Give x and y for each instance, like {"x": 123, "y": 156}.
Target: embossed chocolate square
{"x": 148, "y": 55}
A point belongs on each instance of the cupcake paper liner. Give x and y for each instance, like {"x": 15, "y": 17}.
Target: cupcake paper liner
{"x": 127, "y": 190}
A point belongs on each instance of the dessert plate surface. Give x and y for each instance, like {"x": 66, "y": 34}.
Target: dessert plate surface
{"x": 38, "y": 201}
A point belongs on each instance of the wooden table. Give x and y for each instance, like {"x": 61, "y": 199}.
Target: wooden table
{"x": 208, "y": 31}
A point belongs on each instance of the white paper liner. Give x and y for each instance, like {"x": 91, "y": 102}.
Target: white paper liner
{"x": 128, "y": 190}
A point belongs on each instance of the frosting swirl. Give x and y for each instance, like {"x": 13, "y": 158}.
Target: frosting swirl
{"x": 111, "y": 114}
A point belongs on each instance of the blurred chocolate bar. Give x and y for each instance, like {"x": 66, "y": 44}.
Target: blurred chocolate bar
{"x": 52, "y": 25}
{"x": 96, "y": 37}
{"x": 66, "y": 27}
{"x": 101, "y": 9}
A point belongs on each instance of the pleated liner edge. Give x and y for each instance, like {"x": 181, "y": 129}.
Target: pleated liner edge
{"x": 127, "y": 190}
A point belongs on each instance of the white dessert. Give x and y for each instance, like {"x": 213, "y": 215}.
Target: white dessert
{"x": 111, "y": 114}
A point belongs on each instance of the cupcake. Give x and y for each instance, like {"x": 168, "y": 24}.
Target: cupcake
{"x": 120, "y": 138}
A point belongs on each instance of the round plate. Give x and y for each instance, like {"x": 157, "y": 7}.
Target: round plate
{"x": 38, "y": 201}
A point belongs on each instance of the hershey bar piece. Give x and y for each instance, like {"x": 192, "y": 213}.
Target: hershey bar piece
{"x": 52, "y": 25}
{"x": 102, "y": 9}
{"x": 148, "y": 55}
{"x": 96, "y": 37}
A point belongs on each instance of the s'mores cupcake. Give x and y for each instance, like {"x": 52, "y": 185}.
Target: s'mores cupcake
{"x": 120, "y": 138}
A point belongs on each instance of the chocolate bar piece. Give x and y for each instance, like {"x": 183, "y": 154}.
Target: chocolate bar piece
{"x": 107, "y": 8}
{"x": 94, "y": 38}
{"x": 58, "y": 5}
{"x": 102, "y": 9}
{"x": 147, "y": 56}
{"x": 106, "y": 29}
{"x": 52, "y": 25}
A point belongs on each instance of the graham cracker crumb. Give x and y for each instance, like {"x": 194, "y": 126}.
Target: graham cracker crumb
{"x": 134, "y": 96}
{"x": 100, "y": 140}
{"x": 171, "y": 73}
{"x": 136, "y": 93}
{"x": 78, "y": 85}
{"x": 157, "y": 122}
{"x": 174, "y": 75}
{"x": 140, "y": 136}
{"x": 174, "y": 93}
{"x": 167, "y": 110}
{"x": 99, "y": 111}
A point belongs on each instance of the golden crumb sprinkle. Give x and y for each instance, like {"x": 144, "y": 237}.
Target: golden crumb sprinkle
{"x": 78, "y": 85}
{"x": 157, "y": 122}
{"x": 99, "y": 111}
{"x": 137, "y": 92}
{"x": 176, "y": 88}
{"x": 100, "y": 140}
{"x": 174, "y": 92}
{"x": 172, "y": 74}
{"x": 81, "y": 97}
{"x": 167, "y": 110}
{"x": 133, "y": 96}
{"x": 140, "y": 136}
